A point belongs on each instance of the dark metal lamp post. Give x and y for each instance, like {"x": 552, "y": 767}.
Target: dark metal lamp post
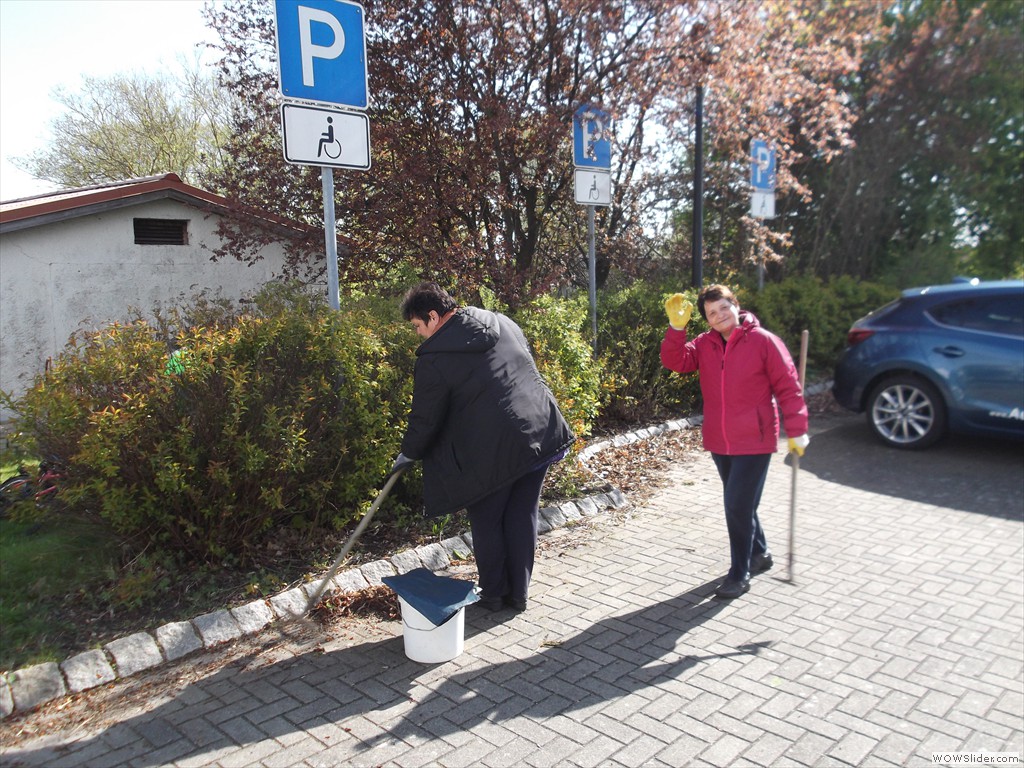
{"x": 698, "y": 194}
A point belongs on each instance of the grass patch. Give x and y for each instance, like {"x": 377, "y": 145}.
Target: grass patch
{"x": 42, "y": 566}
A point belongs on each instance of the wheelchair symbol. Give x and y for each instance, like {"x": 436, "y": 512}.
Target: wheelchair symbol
{"x": 328, "y": 142}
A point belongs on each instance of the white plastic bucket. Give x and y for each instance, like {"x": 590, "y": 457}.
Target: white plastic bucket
{"x": 430, "y": 644}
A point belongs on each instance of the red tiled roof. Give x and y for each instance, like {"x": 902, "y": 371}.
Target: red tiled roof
{"x": 65, "y": 204}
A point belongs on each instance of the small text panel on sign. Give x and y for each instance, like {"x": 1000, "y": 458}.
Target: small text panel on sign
{"x": 762, "y": 205}
{"x": 325, "y": 137}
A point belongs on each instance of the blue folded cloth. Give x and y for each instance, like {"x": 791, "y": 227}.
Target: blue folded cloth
{"x": 438, "y": 598}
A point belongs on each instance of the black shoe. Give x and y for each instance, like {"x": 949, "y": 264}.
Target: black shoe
{"x": 491, "y": 603}
{"x": 516, "y": 604}
{"x": 761, "y": 563}
{"x": 730, "y": 589}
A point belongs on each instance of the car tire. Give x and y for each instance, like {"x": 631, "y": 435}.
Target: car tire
{"x": 906, "y": 412}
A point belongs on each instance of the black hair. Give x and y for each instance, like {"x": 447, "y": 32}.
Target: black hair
{"x": 427, "y": 297}
{"x": 714, "y": 293}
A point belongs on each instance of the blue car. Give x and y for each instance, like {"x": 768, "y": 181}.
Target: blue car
{"x": 946, "y": 358}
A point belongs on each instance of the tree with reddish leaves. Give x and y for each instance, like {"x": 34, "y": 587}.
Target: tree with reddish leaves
{"x": 471, "y": 125}
{"x": 934, "y": 185}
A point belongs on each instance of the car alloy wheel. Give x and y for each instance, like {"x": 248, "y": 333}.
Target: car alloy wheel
{"x": 906, "y": 412}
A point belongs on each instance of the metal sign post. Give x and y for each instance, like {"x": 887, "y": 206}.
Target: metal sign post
{"x": 592, "y": 274}
{"x": 697, "y": 250}
{"x": 592, "y": 156}
{"x": 330, "y": 243}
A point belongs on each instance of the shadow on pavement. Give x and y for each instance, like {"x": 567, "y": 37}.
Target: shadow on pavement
{"x": 968, "y": 473}
{"x": 610, "y": 659}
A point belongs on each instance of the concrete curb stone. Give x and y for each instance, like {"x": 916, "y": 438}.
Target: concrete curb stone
{"x": 217, "y": 627}
{"x": 543, "y": 526}
{"x": 31, "y": 687}
{"x": 288, "y": 603}
{"x": 252, "y": 617}
{"x": 310, "y": 587}
{"x": 456, "y": 548}
{"x": 134, "y": 653}
{"x": 36, "y": 685}
{"x": 433, "y": 556}
{"x": 554, "y": 517}
{"x": 406, "y": 561}
{"x": 178, "y": 639}
{"x": 87, "y": 670}
{"x": 350, "y": 581}
{"x": 6, "y": 700}
{"x": 570, "y": 511}
{"x": 375, "y": 571}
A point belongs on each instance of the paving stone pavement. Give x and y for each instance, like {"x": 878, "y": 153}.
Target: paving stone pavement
{"x": 901, "y": 634}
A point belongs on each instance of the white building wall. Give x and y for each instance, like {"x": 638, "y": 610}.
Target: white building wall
{"x": 87, "y": 272}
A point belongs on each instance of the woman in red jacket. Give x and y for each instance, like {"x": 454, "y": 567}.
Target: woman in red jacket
{"x": 746, "y": 376}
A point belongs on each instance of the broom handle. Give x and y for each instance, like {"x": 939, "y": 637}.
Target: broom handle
{"x": 318, "y": 593}
{"x": 804, "y": 338}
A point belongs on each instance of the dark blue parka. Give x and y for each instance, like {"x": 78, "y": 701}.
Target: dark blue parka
{"x": 482, "y": 416}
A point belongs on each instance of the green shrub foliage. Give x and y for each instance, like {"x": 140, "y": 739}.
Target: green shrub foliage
{"x": 631, "y": 326}
{"x": 290, "y": 417}
{"x": 825, "y": 310}
{"x": 564, "y": 357}
{"x": 290, "y": 414}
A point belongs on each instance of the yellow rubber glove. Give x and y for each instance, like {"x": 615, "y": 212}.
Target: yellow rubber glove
{"x": 678, "y": 310}
{"x": 798, "y": 444}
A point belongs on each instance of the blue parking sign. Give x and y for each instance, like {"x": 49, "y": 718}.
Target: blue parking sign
{"x": 591, "y": 138}
{"x": 321, "y": 51}
{"x": 762, "y": 166}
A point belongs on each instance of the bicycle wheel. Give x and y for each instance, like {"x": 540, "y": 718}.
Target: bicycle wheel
{"x": 13, "y": 490}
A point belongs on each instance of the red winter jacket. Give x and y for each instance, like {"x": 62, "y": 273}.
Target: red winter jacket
{"x": 738, "y": 382}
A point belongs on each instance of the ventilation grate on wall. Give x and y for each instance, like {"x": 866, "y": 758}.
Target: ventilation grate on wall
{"x": 161, "y": 231}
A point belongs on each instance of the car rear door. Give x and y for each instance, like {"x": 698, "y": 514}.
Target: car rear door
{"x": 977, "y": 345}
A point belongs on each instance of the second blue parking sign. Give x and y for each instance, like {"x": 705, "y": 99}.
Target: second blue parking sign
{"x": 591, "y": 138}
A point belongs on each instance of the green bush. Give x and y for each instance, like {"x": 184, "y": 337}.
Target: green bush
{"x": 630, "y": 327}
{"x": 290, "y": 416}
{"x": 825, "y": 310}
{"x": 564, "y": 357}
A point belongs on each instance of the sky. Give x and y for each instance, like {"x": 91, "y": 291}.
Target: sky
{"x": 50, "y": 43}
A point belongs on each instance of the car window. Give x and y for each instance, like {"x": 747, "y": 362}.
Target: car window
{"x": 995, "y": 314}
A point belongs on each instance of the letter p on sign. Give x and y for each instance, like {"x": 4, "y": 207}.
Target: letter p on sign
{"x": 310, "y": 50}
{"x": 321, "y": 51}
